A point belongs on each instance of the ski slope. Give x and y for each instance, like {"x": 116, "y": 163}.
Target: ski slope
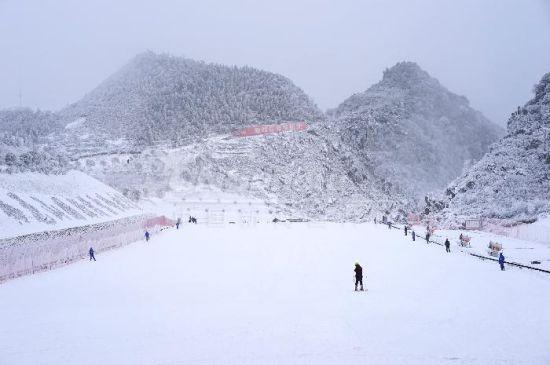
{"x": 277, "y": 294}
{"x": 32, "y": 202}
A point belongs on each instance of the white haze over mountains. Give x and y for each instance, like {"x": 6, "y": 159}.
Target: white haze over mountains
{"x": 162, "y": 123}
{"x": 162, "y": 120}
{"x": 492, "y": 51}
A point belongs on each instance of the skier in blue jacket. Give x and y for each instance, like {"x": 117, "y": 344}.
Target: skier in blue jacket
{"x": 91, "y": 252}
{"x": 501, "y": 259}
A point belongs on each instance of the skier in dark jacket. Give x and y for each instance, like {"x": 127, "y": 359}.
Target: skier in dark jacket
{"x": 147, "y": 235}
{"x": 413, "y": 236}
{"x": 501, "y": 259}
{"x": 91, "y": 253}
{"x": 406, "y": 230}
{"x": 358, "y": 276}
{"x": 447, "y": 245}
{"x": 427, "y": 237}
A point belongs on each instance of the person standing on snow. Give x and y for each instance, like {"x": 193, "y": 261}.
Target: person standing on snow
{"x": 413, "y": 236}
{"x": 406, "y": 230}
{"x": 147, "y": 236}
{"x": 447, "y": 245}
{"x": 91, "y": 253}
{"x": 358, "y": 276}
{"x": 428, "y": 237}
{"x": 501, "y": 259}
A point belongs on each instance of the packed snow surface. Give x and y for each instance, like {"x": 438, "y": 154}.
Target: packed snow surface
{"x": 521, "y": 251}
{"x": 277, "y": 294}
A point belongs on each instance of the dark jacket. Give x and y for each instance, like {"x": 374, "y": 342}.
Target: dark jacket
{"x": 447, "y": 243}
{"x": 358, "y": 271}
{"x": 501, "y": 259}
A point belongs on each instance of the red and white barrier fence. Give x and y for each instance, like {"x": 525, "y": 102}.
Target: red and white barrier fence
{"x": 36, "y": 252}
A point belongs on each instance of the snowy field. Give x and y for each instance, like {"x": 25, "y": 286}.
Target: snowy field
{"x": 277, "y": 294}
{"x": 520, "y": 251}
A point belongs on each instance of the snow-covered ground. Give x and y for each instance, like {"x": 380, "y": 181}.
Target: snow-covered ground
{"x": 277, "y": 294}
{"x": 516, "y": 250}
{"x": 211, "y": 206}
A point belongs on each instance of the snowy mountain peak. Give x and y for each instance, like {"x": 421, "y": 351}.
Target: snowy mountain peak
{"x": 536, "y": 112}
{"x": 160, "y": 98}
{"x": 407, "y": 74}
{"x": 412, "y": 131}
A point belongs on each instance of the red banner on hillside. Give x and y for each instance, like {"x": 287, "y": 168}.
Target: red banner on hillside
{"x": 270, "y": 129}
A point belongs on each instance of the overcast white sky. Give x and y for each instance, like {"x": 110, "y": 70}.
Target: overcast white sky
{"x": 492, "y": 51}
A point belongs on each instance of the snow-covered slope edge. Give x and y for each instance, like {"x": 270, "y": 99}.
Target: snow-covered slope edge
{"x": 33, "y": 202}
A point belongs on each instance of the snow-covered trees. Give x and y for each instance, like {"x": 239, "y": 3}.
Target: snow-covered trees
{"x": 23, "y": 138}
{"x": 35, "y": 161}
{"x": 163, "y": 98}
{"x": 512, "y": 181}
{"x": 24, "y": 127}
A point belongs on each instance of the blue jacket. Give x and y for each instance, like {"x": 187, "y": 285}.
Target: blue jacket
{"x": 501, "y": 259}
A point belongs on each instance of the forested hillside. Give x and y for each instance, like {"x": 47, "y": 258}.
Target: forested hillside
{"x": 412, "y": 131}
{"x": 512, "y": 181}
{"x": 163, "y": 98}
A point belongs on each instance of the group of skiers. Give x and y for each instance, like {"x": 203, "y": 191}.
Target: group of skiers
{"x": 147, "y": 235}
{"x": 447, "y": 243}
{"x": 359, "y": 270}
